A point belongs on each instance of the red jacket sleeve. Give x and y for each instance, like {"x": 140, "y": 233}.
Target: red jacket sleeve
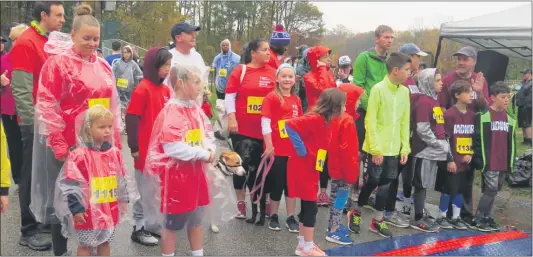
{"x": 320, "y": 80}
{"x": 349, "y": 153}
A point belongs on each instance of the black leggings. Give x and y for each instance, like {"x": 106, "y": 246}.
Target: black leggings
{"x": 59, "y": 242}
{"x": 276, "y": 181}
{"x": 308, "y": 212}
{"x": 14, "y": 144}
{"x": 324, "y": 176}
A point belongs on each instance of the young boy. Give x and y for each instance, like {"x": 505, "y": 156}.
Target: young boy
{"x": 387, "y": 140}
{"x": 494, "y": 150}
{"x": 459, "y": 128}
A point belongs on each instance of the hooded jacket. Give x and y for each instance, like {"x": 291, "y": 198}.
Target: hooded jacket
{"x": 320, "y": 78}
{"x": 429, "y": 140}
{"x": 223, "y": 65}
{"x": 343, "y": 160}
{"x": 127, "y": 73}
{"x": 369, "y": 68}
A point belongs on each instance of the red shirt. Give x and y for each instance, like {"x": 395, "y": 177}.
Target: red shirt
{"x": 303, "y": 173}
{"x": 274, "y": 60}
{"x": 460, "y": 130}
{"x": 499, "y": 128}
{"x": 183, "y": 183}
{"x": 28, "y": 55}
{"x": 446, "y": 99}
{"x": 343, "y": 150}
{"x": 98, "y": 174}
{"x": 427, "y": 109}
{"x": 278, "y": 113}
{"x": 147, "y": 100}
{"x": 256, "y": 84}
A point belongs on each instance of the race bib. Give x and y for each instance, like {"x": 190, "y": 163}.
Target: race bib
{"x": 438, "y": 115}
{"x": 122, "y": 83}
{"x": 464, "y": 145}
{"x": 321, "y": 159}
{"x": 194, "y": 137}
{"x": 104, "y": 189}
{"x": 102, "y": 101}
{"x": 254, "y": 104}
{"x": 282, "y": 129}
{"x": 222, "y": 73}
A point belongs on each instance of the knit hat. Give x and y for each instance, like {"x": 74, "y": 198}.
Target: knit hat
{"x": 280, "y": 36}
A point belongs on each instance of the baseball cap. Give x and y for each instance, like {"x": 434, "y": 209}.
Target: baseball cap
{"x": 180, "y": 27}
{"x": 526, "y": 70}
{"x": 467, "y": 51}
{"x": 412, "y": 49}
{"x": 345, "y": 60}
{"x": 99, "y": 50}
{"x": 3, "y": 40}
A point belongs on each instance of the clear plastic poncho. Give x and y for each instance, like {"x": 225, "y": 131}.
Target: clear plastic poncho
{"x": 180, "y": 161}
{"x": 93, "y": 189}
{"x": 68, "y": 86}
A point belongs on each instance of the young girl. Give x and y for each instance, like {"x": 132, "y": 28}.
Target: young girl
{"x": 92, "y": 191}
{"x": 181, "y": 146}
{"x": 278, "y": 106}
{"x": 310, "y": 136}
{"x": 343, "y": 163}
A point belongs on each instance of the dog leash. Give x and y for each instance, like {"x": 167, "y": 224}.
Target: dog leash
{"x": 225, "y": 138}
{"x": 266, "y": 170}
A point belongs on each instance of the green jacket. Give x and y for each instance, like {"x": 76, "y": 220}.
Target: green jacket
{"x": 482, "y": 141}
{"x": 369, "y": 69}
{"x": 387, "y": 120}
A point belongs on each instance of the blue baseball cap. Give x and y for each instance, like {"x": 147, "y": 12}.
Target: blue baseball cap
{"x": 412, "y": 49}
{"x": 525, "y": 71}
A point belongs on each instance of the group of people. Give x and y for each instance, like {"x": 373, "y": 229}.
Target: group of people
{"x": 384, "y": 113}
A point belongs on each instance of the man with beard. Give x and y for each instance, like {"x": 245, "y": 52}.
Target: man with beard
{"x": 223, "y": 65}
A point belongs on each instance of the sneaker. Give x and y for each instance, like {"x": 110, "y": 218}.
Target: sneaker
{"x": 458, "y": 224}
{"x": 428, "y": 215}
{"x": 292, "y": 224}
{"x": 370, "y": 204}
{"x": 36, "y": 242}
{"x": 425, "y": 225}
{"x": 314, "y": 252}
{"x": 492, "y": 224}
{"x": 338, "y": 237}
{"x": 397, "y": 220}
{"x": 406, "y": 210}
{"x": 241, "y": 206}
{"x": 267, "y": 206}
{"x": 344, "y": 230}
{"x": 380, "y": 228}
{"x": 143, "y": 237}
{"x": 323, "y": 199}
{"x": 46, "y": 229}
{"x": 399, "y": 196}
{"x": 354, "y": 221}
{"x": 481, "y": 224}
{"x": 273, "y": 224}
{"x": 444, "y": 223}
{"x": 469, "y": 221}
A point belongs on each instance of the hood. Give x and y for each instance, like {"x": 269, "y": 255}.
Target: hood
{"x": 131, "y": 57}
{"x": 151, "y": 72}
{"x": 315, "y": 53}
{"x": 426, "y": 81}
{"x": 353, "y": 93}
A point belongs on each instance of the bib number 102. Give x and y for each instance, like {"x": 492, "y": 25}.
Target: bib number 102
{"x": 254, "y": 104}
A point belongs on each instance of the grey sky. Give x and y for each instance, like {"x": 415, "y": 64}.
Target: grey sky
{"x": 365, "y": 16}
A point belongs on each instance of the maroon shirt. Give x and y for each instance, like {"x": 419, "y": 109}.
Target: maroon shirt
{"x": 414, "y": 92}
{"x": 427, "y": 109}
{"x": 499, "y": 128}
{"x": 446, "y": 99}
{"x": 460, "y": 129}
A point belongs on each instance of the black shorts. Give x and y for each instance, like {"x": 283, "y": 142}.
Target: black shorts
{"x": 425, "y": 173}
{"x": 492, "y": 180}
{"x": 276, "y": 180}
{"x": 451, "y": 183}
{"x": 308, "y": 212}
{"x": 387, "y": 171}
{"x": 524, "y": 117}
{"x": 250, "y": 151}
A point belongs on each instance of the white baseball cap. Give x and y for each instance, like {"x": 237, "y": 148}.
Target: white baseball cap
{"x": 345, "y": 60}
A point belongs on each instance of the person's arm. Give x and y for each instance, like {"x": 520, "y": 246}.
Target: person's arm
{"x": 297, "y": 141}
{"x": 22, "y": 57}
{"x": 349, "y": 153}
{"x": 359, "y": 72}
{"x": 321, "y": 82}
{"x": 483, "y": 100}
{"x": 444, "y": 98}
{"x": 137, "y": 75}
{"x": 5, "y": 165}
{"x": 448, "y": 130}
{"x": 371, "y": 121}
{"x": 134, "y": 113}
{"x": 404, "y": 126}
{"x": 184, "y": 152}
{"x": 477, "y": 158}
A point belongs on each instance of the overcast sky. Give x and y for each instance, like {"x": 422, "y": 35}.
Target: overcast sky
{"x": 365, "y": 16}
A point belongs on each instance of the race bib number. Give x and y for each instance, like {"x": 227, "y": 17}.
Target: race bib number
{"x": 438, "y": 115}
{"x": 104, "y": 189}
{"x": 254, "y": 104}
{"x": 222, "y": 73}
{"x": 464, "y": 145}
{"x": 194, "y": 137}
{"x": 122, "y": 83}
{"x": 321, "y": 159}
{"x": 282, "y": 129}
{"x": 102, "y": 101}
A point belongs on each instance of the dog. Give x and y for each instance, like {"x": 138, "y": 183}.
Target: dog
{"x": 228, "y": 164}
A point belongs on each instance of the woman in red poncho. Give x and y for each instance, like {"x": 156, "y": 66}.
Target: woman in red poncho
{"x": 71, "y": 81}
{"x": 311, "y": 136}
{"x": 319, "y": 79}
{"x": 343, "y": 162}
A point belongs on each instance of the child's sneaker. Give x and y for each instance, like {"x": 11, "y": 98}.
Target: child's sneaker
{"x": 338, "y": 237}
{"x": 397, "y": 220}
{"x": 370, "y": 204}
{"x": 492, "y": 224}
{"x": 380, "y": 227}
{"x": 344, "y": 230}
{"x": 425, "y": 225}
{"x": 314, "y": 252}
{"x": 354, "y": 221}
{"x": 458, "y": 224}
{"x": 481, "y": 224}
{"x": 428, "y": 215}
{"x": 444, "y": 223}
{"x": 406, "y": 210}
{"x": 143, "y": 237}
{"x": 323, "y": 199}
{"x": 292, "y": 224}
{"x": 273, "y": 224}
{"x": 241, "y": 206}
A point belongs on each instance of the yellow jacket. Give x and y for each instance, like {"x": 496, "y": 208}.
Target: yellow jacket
{"x": 5, "y": 164}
